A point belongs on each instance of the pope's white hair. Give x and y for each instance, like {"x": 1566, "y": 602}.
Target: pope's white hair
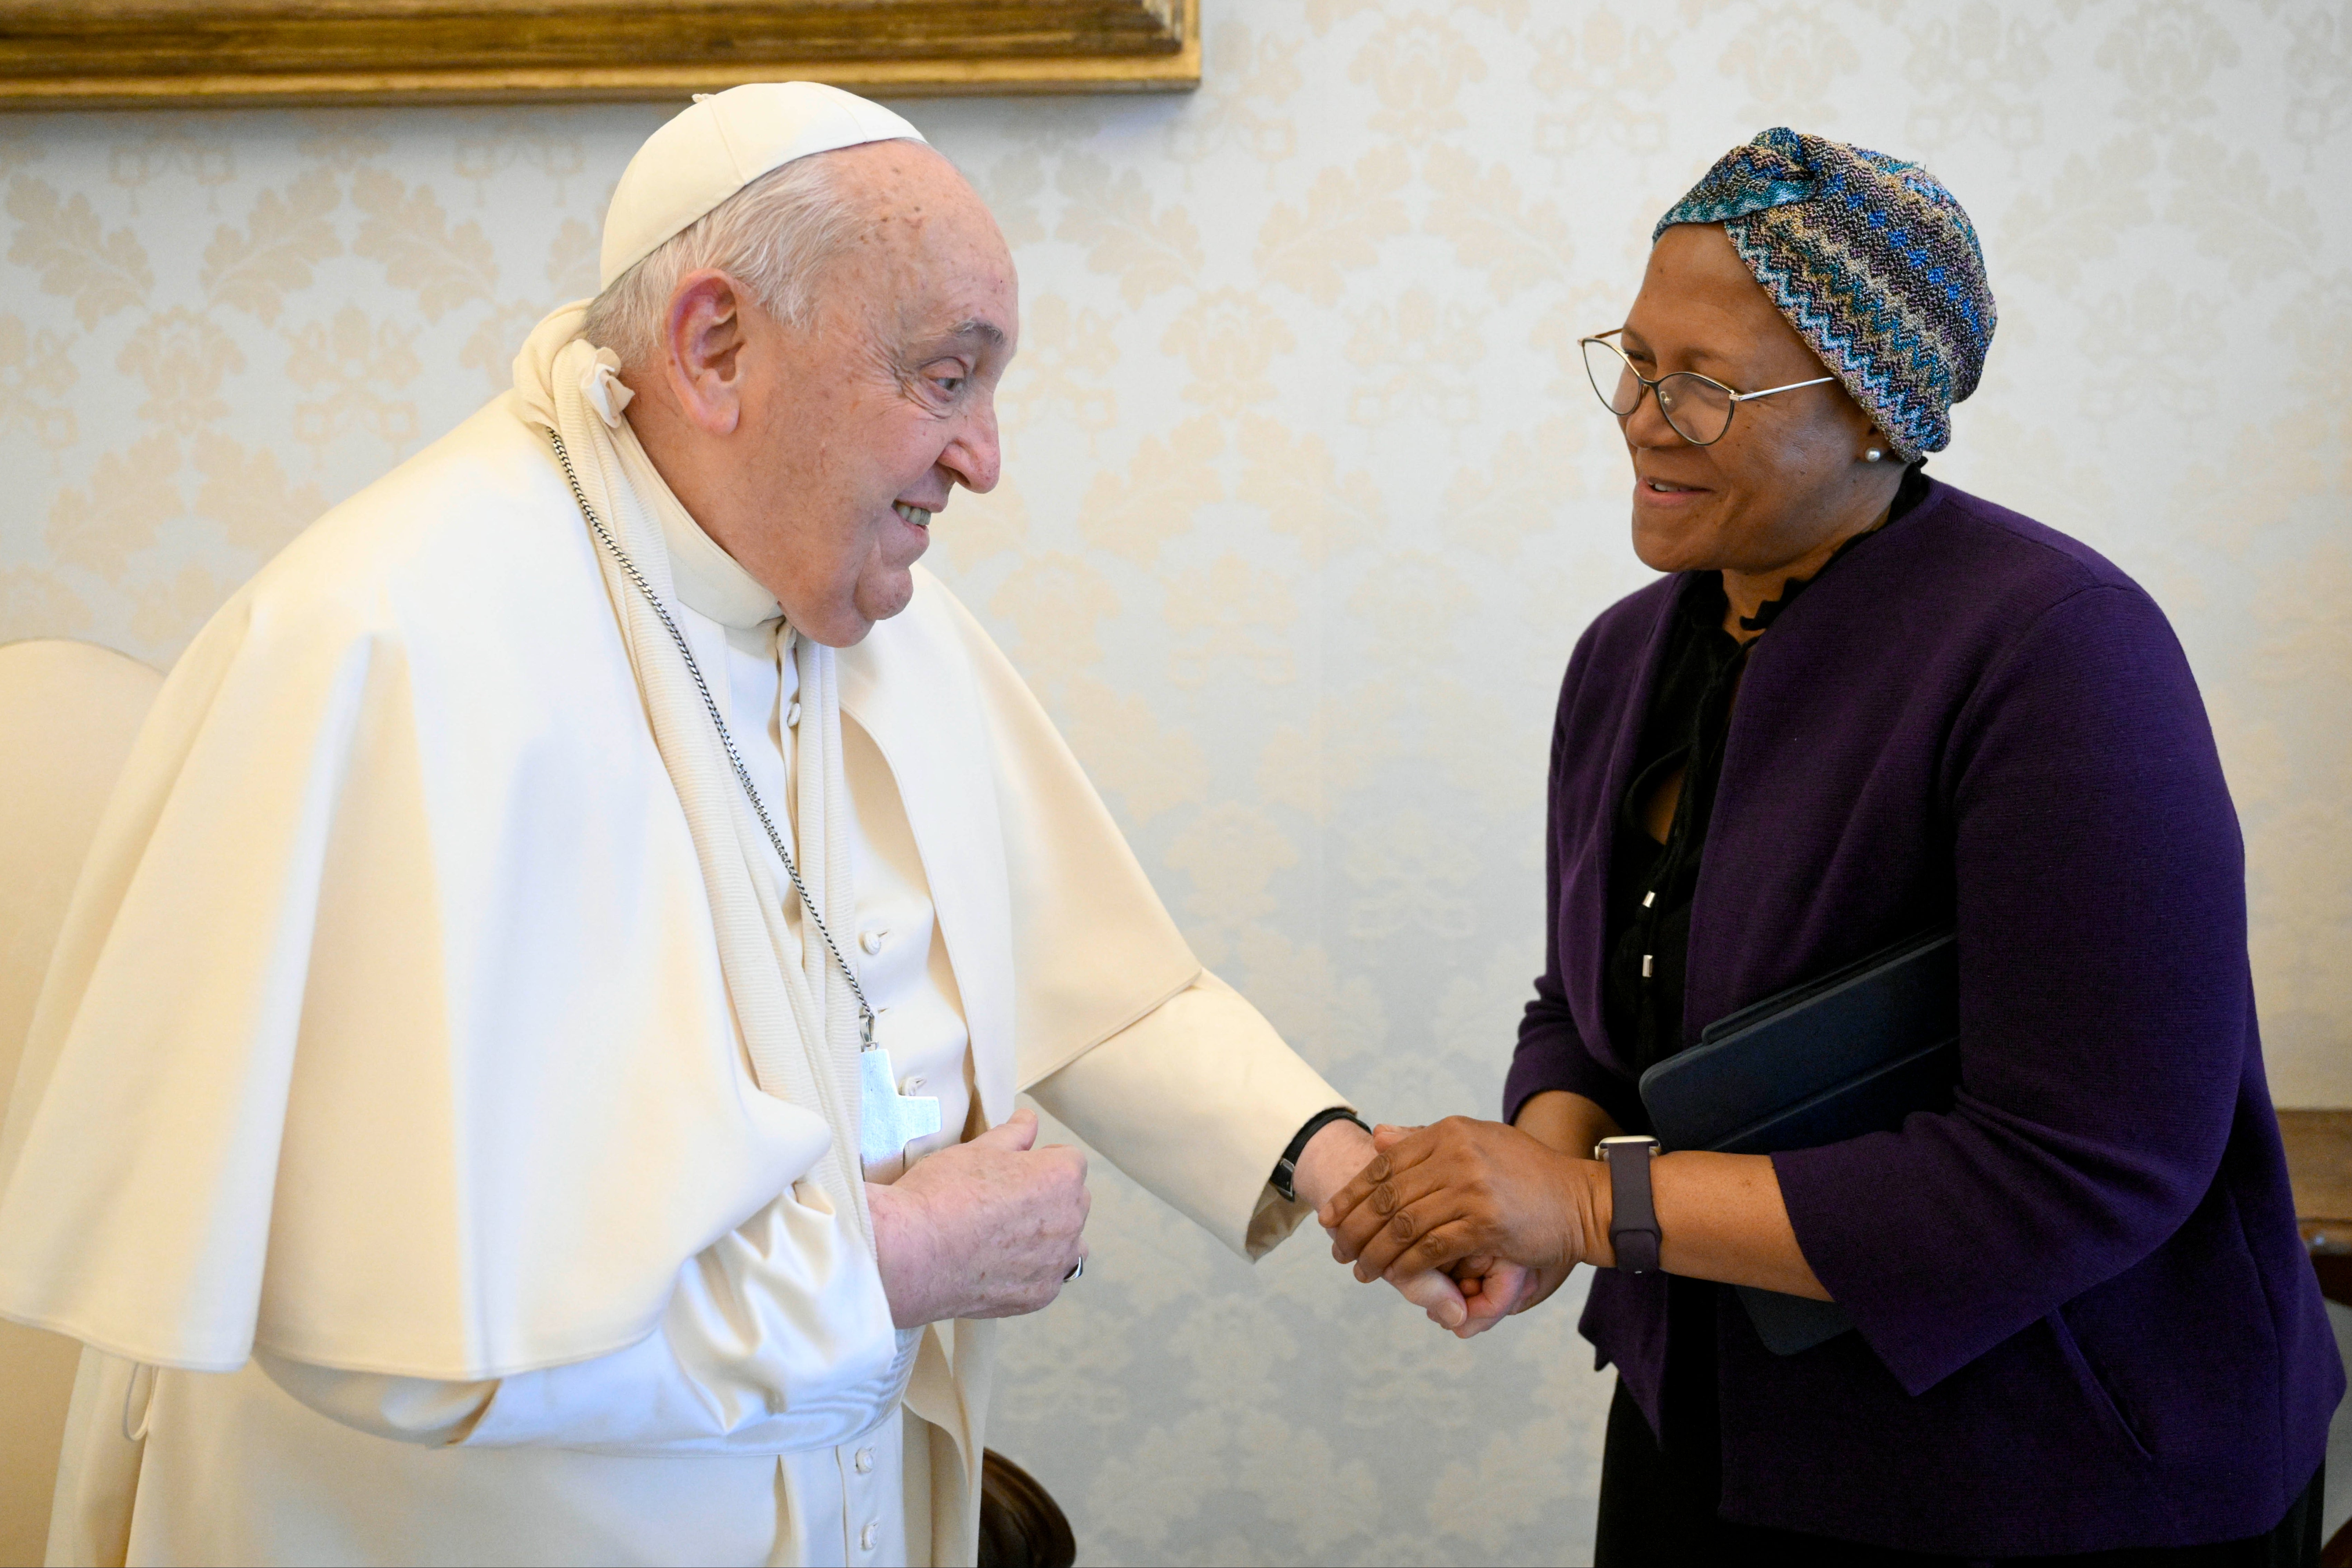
{"x": 774, "y": 237}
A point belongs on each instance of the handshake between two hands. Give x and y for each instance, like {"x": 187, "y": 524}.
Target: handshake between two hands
{"x": 1471, "y": 1221}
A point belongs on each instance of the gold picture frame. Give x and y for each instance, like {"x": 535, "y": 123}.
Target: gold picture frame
{"x": 60, "y": 53}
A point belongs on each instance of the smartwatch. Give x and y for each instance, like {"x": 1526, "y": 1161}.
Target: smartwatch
{"x": 1633, "y": 1218}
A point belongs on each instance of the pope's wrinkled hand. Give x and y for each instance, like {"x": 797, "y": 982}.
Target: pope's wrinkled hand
{"x": 1339, "y": 1150}
{"x": 987, "y": 1228}
{"x": 1436, "y": 1196}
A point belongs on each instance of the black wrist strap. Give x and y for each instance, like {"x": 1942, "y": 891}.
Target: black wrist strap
{"x": 1286, "y": 1169}
{"x": 1633, "y": 1217}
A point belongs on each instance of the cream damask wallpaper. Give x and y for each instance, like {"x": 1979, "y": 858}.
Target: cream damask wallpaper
{"x": 1306, "y": 503}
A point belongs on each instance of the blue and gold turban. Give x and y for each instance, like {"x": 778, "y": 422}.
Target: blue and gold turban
{"x": 1871, "y": 260}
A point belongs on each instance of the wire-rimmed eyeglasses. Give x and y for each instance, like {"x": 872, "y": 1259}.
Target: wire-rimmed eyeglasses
{"x": 1698, "y": 407}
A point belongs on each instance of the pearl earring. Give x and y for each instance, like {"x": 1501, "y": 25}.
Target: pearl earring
{"x": 1873, "y": 455}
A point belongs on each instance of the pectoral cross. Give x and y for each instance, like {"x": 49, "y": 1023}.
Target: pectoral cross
{"x": 888, "y": 1121}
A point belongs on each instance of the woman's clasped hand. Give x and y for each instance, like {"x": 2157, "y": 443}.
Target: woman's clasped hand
{"x": 1507, "y": 1216}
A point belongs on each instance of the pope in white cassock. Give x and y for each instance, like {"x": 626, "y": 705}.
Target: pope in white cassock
{"x": 528, "y": 1075}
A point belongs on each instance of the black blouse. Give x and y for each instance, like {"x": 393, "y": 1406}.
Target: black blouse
{"x": 1650, "y": 884}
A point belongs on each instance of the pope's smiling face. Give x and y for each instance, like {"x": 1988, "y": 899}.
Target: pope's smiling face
{"x": 1784, "y": 480}
{"x": 818, "y": 455}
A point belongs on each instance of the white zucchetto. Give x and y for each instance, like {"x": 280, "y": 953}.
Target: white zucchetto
{"x": 721, "y": 143}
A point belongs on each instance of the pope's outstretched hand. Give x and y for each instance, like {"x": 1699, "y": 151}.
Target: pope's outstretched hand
{"x": 1340, "y": 1151}
{"x": 988, "y": 1229}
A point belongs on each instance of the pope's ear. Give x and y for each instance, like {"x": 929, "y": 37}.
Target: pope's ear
{"x": 703, "y": 346}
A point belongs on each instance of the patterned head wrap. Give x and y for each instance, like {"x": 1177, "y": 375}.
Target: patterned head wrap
{"x": 1871, "y": 260}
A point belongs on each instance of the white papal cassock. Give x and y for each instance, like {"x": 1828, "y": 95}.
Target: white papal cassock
{"x": 394, "y": 1134}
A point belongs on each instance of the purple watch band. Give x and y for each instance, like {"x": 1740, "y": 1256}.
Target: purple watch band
{"x": 1633, "y": 1218}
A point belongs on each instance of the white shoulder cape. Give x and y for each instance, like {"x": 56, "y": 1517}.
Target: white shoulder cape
{"x": 387, "y": 1029}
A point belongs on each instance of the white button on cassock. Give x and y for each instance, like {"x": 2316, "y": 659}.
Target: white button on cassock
{"x": 792, "y": 716}
{"x": 871, "y": 941}
{"x": 866, "y": 1537}
{"x": 864, "y": 1461}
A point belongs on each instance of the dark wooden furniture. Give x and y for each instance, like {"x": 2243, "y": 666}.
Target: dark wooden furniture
{"x": 2319, "y": 1164}
{"x": 1020, "y": 1524}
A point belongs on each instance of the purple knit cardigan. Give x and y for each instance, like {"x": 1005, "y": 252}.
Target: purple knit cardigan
{"x": 2084, "y": 1316}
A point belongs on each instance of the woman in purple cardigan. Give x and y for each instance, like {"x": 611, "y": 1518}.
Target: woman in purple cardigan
{"x": 1861, "y": 705}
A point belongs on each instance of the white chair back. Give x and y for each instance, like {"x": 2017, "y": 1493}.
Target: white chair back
{"x": 69, "y": 712}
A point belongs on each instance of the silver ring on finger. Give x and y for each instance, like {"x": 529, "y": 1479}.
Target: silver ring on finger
{"x": 1076, "y": 1269}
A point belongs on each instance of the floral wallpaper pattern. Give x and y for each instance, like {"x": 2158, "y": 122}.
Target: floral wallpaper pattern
{"x": 1306, "y": 503}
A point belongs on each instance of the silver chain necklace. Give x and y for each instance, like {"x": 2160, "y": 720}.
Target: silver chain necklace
{"x": 743, "y": 774}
